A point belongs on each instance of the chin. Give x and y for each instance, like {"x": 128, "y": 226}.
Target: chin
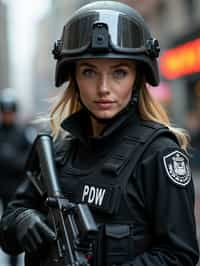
{"x": 105, "y": 116}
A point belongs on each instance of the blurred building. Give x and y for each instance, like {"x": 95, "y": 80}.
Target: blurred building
{"x": 4, "y": 74}
{"x": 180, "y": 67}
{"x": 49, "y": 30}
{"x": 179, "y": 62}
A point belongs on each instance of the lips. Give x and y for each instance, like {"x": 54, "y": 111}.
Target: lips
{"x": 104, "y": 104}
{"x": 104, "y": 101}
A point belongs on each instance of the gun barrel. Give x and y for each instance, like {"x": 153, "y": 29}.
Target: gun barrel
{"x": 44, "y": 148}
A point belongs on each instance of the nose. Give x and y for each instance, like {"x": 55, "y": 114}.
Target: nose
{"x": 103, "y": 86}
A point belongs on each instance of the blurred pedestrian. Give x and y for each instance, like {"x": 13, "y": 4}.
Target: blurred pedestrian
{"x": 15, "y": 141}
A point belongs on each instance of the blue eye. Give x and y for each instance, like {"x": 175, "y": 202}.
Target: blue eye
{"x": 88, "y": 72}
{"x": 119, "y": 73}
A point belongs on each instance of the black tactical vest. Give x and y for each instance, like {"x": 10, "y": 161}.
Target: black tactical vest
{"x": 103, "y": 188}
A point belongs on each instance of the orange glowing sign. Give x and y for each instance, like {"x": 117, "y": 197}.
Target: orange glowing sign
{"x": 181, "y": 61}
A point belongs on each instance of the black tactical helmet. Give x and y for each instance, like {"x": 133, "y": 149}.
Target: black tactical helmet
{"x": 106, "y": 29}
{"x": 8, "y": 102}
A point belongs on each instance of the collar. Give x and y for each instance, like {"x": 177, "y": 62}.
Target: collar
{"x": 76, "y": 125}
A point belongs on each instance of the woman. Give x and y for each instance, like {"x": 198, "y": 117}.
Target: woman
{"x": 121, "y": 156}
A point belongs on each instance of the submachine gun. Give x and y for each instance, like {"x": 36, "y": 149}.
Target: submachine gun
{"x": 73, "y": 223}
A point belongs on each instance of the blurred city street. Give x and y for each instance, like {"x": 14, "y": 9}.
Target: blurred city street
{"x": 29, "y": 31}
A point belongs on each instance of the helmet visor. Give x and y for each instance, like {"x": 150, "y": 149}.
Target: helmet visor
{"x": 119, "y": 33}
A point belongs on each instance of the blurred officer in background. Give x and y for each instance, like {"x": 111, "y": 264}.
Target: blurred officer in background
{"x": 15, "y": 141}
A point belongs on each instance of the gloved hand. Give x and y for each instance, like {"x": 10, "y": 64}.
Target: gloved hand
{"x": 32, "y": 231}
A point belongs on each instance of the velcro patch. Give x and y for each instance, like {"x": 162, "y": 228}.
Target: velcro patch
{"x": 103, "y": 198}
{"x": 177, "y": 167}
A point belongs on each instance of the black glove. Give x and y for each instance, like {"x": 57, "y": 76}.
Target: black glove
{"x": 32, "y": 231}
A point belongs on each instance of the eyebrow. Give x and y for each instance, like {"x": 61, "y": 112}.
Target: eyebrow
{"x": 86, "y": 64}
{"x": 121, "y": 65}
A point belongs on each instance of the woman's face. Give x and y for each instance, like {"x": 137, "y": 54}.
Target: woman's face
{"x": 105, "y": 85}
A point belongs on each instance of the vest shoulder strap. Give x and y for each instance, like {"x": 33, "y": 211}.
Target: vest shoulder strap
{"x": 134, "y": 145}
{"x": 62, "y": 149}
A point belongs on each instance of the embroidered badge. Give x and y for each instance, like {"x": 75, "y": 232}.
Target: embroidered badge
{"x": 177, "y": 167}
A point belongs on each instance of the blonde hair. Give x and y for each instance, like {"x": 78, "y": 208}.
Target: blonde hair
{"x": 67, "y": 104}
{"x": 149, "y": 110}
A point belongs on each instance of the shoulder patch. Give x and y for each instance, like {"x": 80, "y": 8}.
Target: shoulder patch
{"x": 177, "y": 167}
